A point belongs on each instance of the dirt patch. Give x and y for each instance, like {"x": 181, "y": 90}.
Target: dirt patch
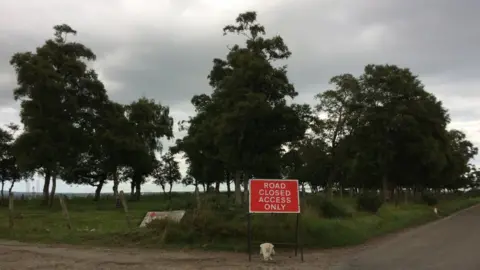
{"x": 18, "y": 256}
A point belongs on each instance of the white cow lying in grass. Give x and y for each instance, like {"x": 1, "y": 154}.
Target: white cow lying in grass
{"x": 266, "y": 249}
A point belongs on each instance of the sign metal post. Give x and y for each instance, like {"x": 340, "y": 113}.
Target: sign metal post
{"x": 279, "y": 196}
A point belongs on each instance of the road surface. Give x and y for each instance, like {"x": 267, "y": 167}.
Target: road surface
{"x": 18, "y": 256}
{"x": 449, "y": 244}
{"x": 444, "y": 245}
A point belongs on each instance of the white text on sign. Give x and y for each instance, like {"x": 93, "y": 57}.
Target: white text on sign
{"x": 274, "y": 196}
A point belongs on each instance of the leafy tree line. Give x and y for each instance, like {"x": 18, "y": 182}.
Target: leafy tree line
{"x": 380, "y": 130}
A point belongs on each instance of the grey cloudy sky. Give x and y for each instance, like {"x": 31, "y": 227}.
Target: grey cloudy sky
{"x": 164, "y": 49}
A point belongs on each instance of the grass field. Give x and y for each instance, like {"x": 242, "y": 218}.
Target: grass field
{"x": 217, "y": 225}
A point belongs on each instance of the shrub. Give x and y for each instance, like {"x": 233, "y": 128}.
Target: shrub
{"x": 429, "y": 199}
{"x": 369, "y": 202}
{"x": 332, "y": 209}
{"x": 326, "y": 207}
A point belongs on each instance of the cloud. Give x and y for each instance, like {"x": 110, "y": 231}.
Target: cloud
{"x": 164, "y": 49}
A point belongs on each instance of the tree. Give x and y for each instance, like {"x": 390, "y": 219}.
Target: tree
{"x": 335, "y": 107}
{"x": 167, "y": 172}
{"x": 111, "y": 143}
{"x": 151, "y": 121}
{"x": 59, "y": 96}
{"x": 7, "y": 161}
{"x": 199, "y": 149}
{"x": 399, "y": 133}
{"x": 158, "y": 176}
{"x": 459, "y": 173}
{"x": 9, "y": 170}
{"x": 308, "y": 161}
{"x": 247, "y": 118}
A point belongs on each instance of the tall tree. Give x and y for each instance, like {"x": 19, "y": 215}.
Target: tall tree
{"x": 400, "y": 129}
{"x": 59, "y": 96}
{"x": 111, "y": 143}
{"x": 151, "y": 122}
{"x": 198, "y": 146}
{"x": 335, "y": 109}
{"x": 247, "y": 115}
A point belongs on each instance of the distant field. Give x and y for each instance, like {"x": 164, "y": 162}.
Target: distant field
{"x": 217, "y": 225}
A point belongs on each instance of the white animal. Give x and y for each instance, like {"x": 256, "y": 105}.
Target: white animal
{"x": 266, "y": 249}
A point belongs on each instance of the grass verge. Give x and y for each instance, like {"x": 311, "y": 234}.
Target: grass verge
{"x": 216, "y": 226}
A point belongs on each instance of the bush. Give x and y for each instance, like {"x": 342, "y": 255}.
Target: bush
{"x": 327, "y": 208}
{"x": 429, "y": 199}
{"x": 332, "y": 209}
{"x": 369, "y": 202}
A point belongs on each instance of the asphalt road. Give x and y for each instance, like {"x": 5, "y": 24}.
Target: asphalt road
{"x": 449, "y": 244}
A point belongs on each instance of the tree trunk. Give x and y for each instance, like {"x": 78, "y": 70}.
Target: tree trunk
{"x": 170, "y": 191}
{"x": 238, "y": 192}
{"x": 245, "y": 189}
{"x": 115, "y": 184}
{"x": 197, "y": 197}
{"x": 98, "y": 190}
{"x": 132, "y": 189}
{"x": 391, "y": 193}
{"x": 217, "y": 187}
{"x": 163, "y": 189}
{"x": 3, "y": 186}
{"x": 417, "y": 193}
{"x": 397, "y": 195}
{"x": 229, "y": 190}
{"x": 46, "y": 186}
{"x": 329, "y": 185}
{"x": 11, "y": 187}
{"x": 204, "y": 187}
{"x": 138, "y": 188}
{"x": 54, "y": 187}
{"x": 385, "y": 188}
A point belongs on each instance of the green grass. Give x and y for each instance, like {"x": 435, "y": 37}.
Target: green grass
{"x": 218, "y": 225}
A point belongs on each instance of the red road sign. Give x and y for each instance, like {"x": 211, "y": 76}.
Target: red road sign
{"x": 273, "y": 196}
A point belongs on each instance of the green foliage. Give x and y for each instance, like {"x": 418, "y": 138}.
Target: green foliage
{"x": 429, "y": 199}
{"x": 243, "y": 124}
{"x": 9, "y": 170}
{"x": 333, "y": 209}
{"x": 167, "y": 172}
{"x": 328, "y": 208}
{"x": 369, "y": 202}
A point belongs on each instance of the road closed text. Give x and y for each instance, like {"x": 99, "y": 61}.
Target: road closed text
{"x": 272, "y": 196}
{"x": 278, "y": 195}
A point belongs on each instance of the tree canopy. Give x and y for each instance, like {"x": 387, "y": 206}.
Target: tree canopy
{"x": 378, "y": 130}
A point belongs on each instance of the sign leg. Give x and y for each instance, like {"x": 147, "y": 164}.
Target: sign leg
{"x": 299, "y": 236}
{"x": 296, "y": 234}
{"x": 301, "y": 252}
{"x": 249, "y": 237}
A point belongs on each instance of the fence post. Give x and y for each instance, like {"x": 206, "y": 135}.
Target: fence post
{"x": 11, "y": 214}
{"x": 125, "y": 208}
{"x": 63, "y": 204}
